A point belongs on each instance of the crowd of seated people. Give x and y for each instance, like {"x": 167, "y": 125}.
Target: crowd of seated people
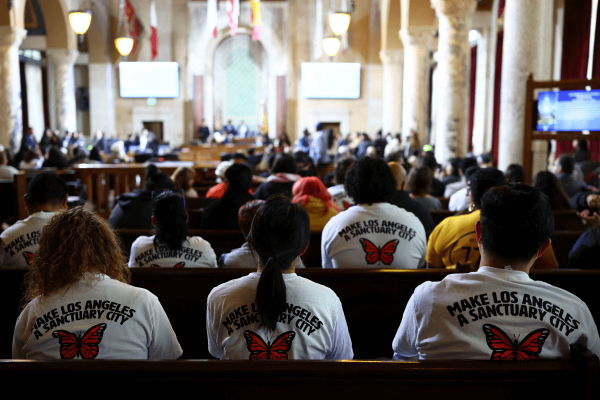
{"x": 383, "y": 224}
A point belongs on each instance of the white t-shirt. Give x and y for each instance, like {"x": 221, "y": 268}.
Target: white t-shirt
{"x": 196, "y": 253}
{"x": 459, "y": 200}
{"x": 380, "y": 235}
{"x": 97, "y": 317}
{"x": 8, "y": 172}
{"x": 493, "y": 314}
{"x": 312, "y": 327}
{"x": 340, "y": 198}
{"x": 20, "y": 241}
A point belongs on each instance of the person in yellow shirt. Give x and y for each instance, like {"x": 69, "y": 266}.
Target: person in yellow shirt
{"x": 454, "y": 239}
{"x": 312, "y": 195}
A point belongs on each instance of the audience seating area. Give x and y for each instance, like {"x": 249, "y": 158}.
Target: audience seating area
{"x": 373, "y": 300}
{"x": 574, "y": 378}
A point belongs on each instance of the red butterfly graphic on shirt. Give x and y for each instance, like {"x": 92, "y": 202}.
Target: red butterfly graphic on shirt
{"x": 28, "y": 257}
{"x": 259, "y": 350}
{"x": 385, "y": 254}
{"x": 506, "y": 350}
{"x": 346, "y": 205}
{"x": 85, "y": 346}
{"x": 180, "y": 265}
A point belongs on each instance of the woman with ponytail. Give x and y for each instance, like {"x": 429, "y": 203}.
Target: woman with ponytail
{"x": 274, "y": 313}
{"x": 171, "y": 246}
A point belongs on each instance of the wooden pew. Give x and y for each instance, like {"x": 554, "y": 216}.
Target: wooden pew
{"x": 104, "y": 180}
{"x": 373, "y": 300}
{"x": 573, "y": 378}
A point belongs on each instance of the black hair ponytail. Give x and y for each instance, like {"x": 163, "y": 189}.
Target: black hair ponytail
{"x": 171, "y": 220}
{"x": 279, "y": 233}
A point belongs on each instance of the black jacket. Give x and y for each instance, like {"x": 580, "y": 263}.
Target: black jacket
{"x": 223, "y": 213}
{"x": 133, "y": 210}
{"x": 403, "y": 200}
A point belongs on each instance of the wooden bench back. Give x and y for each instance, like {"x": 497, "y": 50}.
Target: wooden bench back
{"x": 573, "y": 378}
{"x": 373, "y": 300}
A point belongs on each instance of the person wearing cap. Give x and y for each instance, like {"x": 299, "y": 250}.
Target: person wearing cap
{"x": 217, "y": 191}
{"x": 223, "y": 213}
{"x": 134, "y": 209}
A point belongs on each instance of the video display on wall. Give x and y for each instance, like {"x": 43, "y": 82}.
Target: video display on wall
{"x": 328, "y": 80}
{"x": 569, "y": 110}
{"x": 149, "y": 79}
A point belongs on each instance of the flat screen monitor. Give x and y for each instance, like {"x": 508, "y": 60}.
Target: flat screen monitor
{"x": 149, "y": 79}
{"x": 569, "y": 110}
{"x": 330, "y": 80}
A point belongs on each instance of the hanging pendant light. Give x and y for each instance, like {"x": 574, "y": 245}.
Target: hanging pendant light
{"x": 331, "y": 45}
{"x": 339, "y": 22}
{"x": 80, "y": 21}
{"x": 124, "y": 45}
{"x": 123, "y": 42}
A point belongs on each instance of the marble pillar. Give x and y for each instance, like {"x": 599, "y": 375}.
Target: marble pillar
{"x": 483, "y": 114}
{"x": 520, "y": 18}
{"x": 453, "y": 63}
{"x": 63, "y": 61}
{"x": 11, "y": 106}
{"x": 415, "y": 81}
{"x": 102, "y": 99}
{"x": 392, "y": 61}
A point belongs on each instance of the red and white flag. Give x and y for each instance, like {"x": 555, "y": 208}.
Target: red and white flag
{"x": 211, "y": 17}
{"x": 153, "y": 25}
{"x": 233, "y": 12}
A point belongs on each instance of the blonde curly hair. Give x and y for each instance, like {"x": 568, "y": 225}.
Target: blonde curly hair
{"x": 73, "y": 243}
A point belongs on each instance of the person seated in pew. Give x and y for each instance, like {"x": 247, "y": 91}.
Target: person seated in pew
{"x": 499, "y": 312}
{"x": 373, "y": 233}
{"x": 218, "y": 190}
{"x": 282, "y": 178}
{"x": 78, "y": 301}
{"x": 183, "y": 179}
{"x": 403, "y": 200}
{"x": 223, "y": 213}
{"x": 274, "y": 313}
{"x": 419, "y": 187}
{"x": 461, "y": 200}
{"x": 134, "y": 210}
{"x": 338, "y": 192}
{"x": 454, "y": 239}
{"x": 549, "y": 184}
{"x": 244, "y": 257}
{"x": 170, "y": 246}
{"x": 6, "y": 171}
{"x": 312, "y": 195}
{"x": 515, "y": 173}
{"x": 46, "y": 194}
{"x": 465, "y": 164}
{"x": 586, "y": 251}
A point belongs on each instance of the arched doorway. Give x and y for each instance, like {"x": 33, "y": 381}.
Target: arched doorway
{"x": 240, "y": 81}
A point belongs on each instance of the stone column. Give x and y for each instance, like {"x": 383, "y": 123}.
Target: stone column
{"x": 453, "y": 63}
{"x": 483, "y": 83}
{"x": 520, "y": 17}
{"x": 415, "y": 94}
{"x": 11, "y": 106}
{"x": 392, "y": 61}
{"x": 63, "y": 61}
{"x": 102, "y": 99}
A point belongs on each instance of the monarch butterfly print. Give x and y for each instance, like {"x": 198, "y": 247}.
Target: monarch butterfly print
{"x": 259, "y": 350}
{"x": 506, "y": 350}
{"x": 385, "y": 253}
{"x": 179, "y": 265}
{"x": 28, "y": 257}
{"x": 86, "y": 345}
